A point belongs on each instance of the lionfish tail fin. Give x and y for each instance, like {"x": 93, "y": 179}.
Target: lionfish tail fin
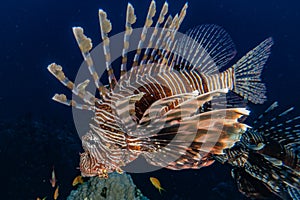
{"x": 248, "y": 71}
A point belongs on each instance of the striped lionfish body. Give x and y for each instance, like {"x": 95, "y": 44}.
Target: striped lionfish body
{"x": 161, "y": 108}
{"x": 266, "y": 160}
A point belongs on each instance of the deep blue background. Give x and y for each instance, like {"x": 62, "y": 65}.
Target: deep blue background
{"x": 35, "y": 33}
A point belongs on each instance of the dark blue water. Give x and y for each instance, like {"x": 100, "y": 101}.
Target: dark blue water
{"x": 36, "y": 33}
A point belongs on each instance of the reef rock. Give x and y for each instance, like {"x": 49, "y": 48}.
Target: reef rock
{"x": 117, "y": 186}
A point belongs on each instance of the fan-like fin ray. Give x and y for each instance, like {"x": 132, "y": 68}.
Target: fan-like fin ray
{"x": 248, "y": 71}
{"x": 206, "y": 48}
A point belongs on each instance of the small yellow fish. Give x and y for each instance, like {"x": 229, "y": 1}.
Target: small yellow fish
{"x": 77, "y": 180}
{"x": 156, "y": 184}
{"x": 55, "y": 195}
{"x": 53, "y": 178}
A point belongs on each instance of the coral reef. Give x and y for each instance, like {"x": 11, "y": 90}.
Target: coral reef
{"x": 117, "y": 186}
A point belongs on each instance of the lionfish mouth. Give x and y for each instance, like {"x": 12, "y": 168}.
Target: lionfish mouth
{"x": 90, "y": 167}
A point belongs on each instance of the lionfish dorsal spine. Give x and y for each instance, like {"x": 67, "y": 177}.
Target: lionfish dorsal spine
{"x": 178, "y": 19}
{"x": 160, "y": 20}
{"x": 106, "y": 27}
{"x": 130, "y": 20}
{"x": 148, "y": 23}
{"x": 156, "y": 50}
{"x": 267, "y": 125}
{"x": 261, "y": 116}
{"x": 61, "y": 98}
{"x": 57, "y": 71}
{"x": 167, "y": 40}
{"x": 85, "y": 46}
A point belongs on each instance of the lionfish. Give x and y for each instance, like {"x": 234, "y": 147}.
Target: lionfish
{"x": 266, "y": 160}
{"x": 168, "y": 106}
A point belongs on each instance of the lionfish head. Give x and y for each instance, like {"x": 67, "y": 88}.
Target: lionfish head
{"x": 90, "y": 167}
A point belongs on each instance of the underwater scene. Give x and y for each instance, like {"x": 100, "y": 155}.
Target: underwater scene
{"x": 150, "y": 99}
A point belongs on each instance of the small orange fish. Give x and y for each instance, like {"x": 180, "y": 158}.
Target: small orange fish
{"x": 55, "y": 195}
{"x": 53, "y": 178}
{"x": 156, "y": 184}
{"x": 77, "y": 180}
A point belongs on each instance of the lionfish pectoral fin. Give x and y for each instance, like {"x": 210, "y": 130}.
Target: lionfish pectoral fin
{"x": 181, "y": 143}
{"x": 159, "y": 115}
{"x": 277, "y": 178}
{"x": 219, "y": 129}
{"x": 132, "y": 99}
{"x": 125, "y": 111}
{"x": 294, "y": 193}
{"x": 248, "y": 185}
{"x": 157, "y": 109}
{"x": 247, "y": 71}
{"x": 274, "y": 161}
{"x": 280, "y": 134}
{"x": 191, "y": 162}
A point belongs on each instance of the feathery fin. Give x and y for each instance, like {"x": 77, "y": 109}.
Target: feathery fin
{"x": 207, "y": 48}
{"x": 294, "y": 193}
{"x": 248, "y": 185}
{"x": 183, "y": 136}
{"x": 272, "y": 107}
